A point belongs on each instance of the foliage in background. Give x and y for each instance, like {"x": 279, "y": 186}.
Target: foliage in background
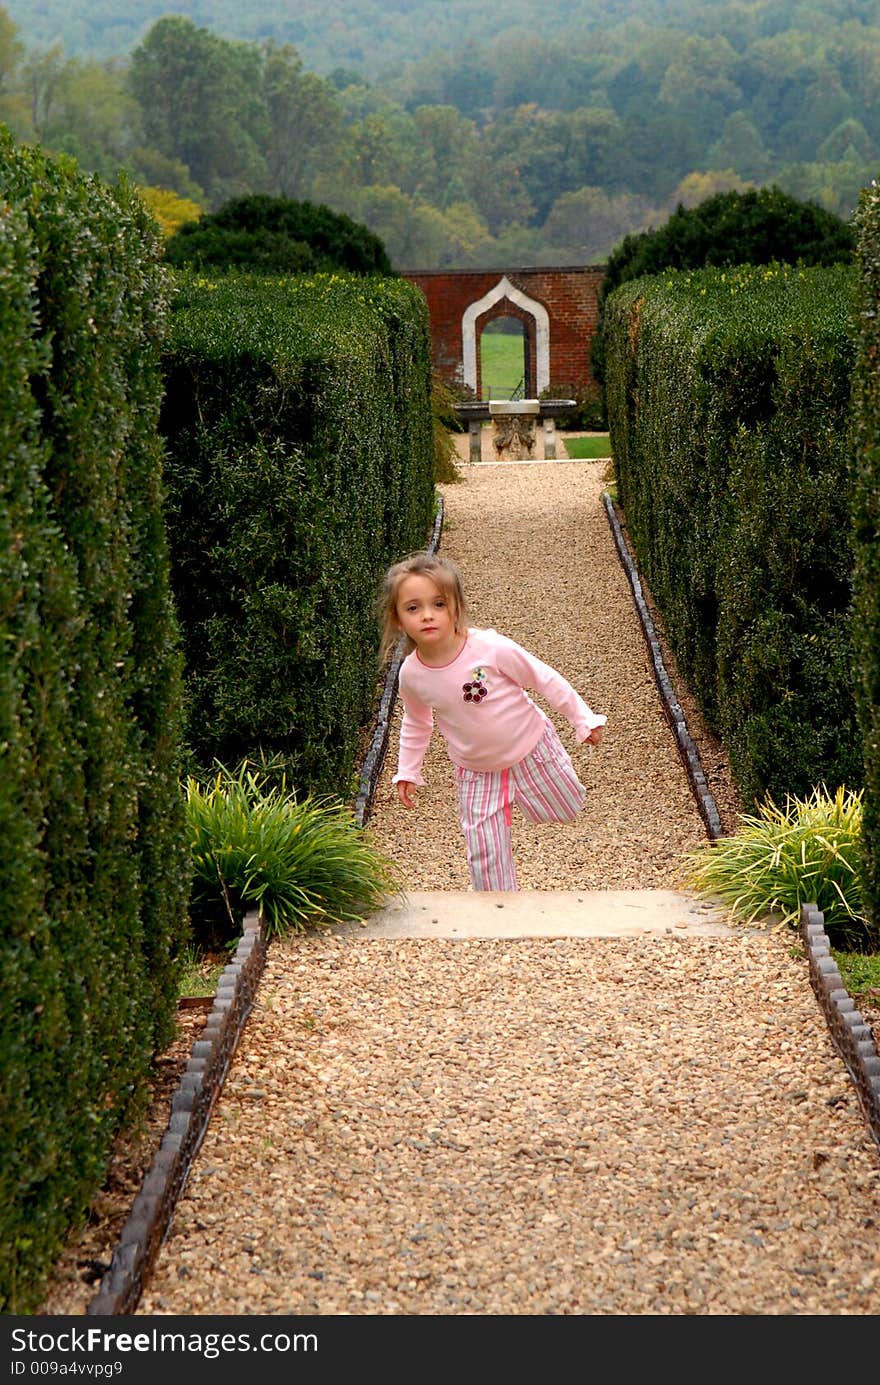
{"x": 93, "y": 876}
{"x": 756, "y": 227}
{"x": 807, "y": 851}
{"x": 866, "y": 528}
{"x": 275, "y": 235}
{"x": 302, "y": 863}
{"x": 590, "y": 411}
{"x": 464, "y": 156}
{"x": 446, "y": 425}
{"x": 169, "y": 210}
{"x": 729, "y": 404}
{"x": 297, "y": 415}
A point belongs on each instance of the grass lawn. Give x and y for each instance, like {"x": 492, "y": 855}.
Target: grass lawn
{"x": 502, "y": 364}
{"x": 199, "y": 973}
{"x": 860, "y": 973}
{"x": 584, "y": 448}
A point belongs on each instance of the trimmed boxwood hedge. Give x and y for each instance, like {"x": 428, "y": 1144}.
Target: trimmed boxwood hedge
{"x": 299, "y": 434}
{"x": 93, "y": 875}
{"x": 729, "y": 409}
{"x": 866, "y": 531}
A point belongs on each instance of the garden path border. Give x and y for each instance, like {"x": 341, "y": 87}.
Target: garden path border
{"x": 375, "y": 756}
{"x": 147, "y": 1225}
{"x": 688, "y": 752}
{"x": 850, "y": 1033}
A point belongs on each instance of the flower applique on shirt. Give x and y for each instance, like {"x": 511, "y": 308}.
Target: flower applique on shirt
{"x": 476, "y": 689}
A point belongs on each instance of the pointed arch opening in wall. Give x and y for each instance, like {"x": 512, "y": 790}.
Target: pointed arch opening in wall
{"x": 536, "y": 322}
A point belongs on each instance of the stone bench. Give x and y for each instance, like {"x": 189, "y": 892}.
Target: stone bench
{"x": 514, "y": 425}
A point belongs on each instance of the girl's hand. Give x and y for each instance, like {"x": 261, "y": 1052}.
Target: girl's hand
{"x": 595, "y": 736}
{"x": 406, "y": 793}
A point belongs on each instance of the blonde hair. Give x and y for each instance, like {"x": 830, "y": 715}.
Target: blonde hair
{"x": 441, "y": 571}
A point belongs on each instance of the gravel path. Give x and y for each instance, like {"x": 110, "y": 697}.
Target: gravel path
{"x": 432, "y": 1127}
{"x": 656, "y": 1125}
{"x": 539, "y": 564}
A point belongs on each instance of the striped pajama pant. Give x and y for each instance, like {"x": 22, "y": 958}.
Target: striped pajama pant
{"x": 545, "y": 788}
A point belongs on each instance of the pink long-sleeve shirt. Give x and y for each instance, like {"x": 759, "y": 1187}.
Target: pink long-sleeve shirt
{"x": 484, "y": 714}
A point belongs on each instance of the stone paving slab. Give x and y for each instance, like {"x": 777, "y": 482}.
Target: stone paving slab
{"x": 544, "y": 914}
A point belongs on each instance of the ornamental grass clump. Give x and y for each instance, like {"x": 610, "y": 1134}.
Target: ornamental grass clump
{"x": 807, "y": 852}
{"x": 255, "y": 845}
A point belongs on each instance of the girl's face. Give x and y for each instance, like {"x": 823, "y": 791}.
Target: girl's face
{"x": 426, "y": 615}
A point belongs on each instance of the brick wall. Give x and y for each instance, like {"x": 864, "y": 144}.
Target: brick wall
{"x": 570, "y": 297}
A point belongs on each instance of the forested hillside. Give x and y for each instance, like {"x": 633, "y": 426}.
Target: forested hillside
{"x": 376, "y": 37}
{"x": 462, "y": 134}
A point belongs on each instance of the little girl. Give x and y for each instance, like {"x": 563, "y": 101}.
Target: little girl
{"x": 504, "y": 749}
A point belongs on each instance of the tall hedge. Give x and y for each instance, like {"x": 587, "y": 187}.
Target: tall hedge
{"x": 866, "y": 532}
{"x": 92, "y": 857}
{"x": 299, "y": 433}
{"x": 729, "y": 408}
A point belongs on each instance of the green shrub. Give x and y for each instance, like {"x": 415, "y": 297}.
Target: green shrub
{"x": 729, "y": 410}
{"x": 258, "y": 234}
{"x": 300, "y": 464}
{"x": 866, "y": 528}
{"x": 807, "y": 851}
{"x": 756, "y": 227}
{"x": 589, "y": 415}
{"x": 92, "y": 865}
{"x": 446, "y": 424}
{"x": 303, "y": 863}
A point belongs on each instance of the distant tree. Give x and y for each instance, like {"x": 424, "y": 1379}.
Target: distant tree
{"x": 469, "y": 237}
{"x": 12, "y": 106}
{"x": 305, "y": 122}
{"x": 551, "y": 153}
{"x": 825, "y": 107}
{"x": 740, "y": 148}
{"x": 41, "y": 76}
{"x": 170, "y": 211}
{"x": 518, "y": 244}
{"x": 698, "y": 187}
{"x": 660, "y": 148}
{"x": 11, "y": 47}
{"x": 150, "y": 169}
{"x": 342, "y": 77}
{"x": 499, "y": 193}
{"x": 448, "y": 142}
{"x": 414, "y": 234}
{"x": 201, "y": 103}
{"x": 699, "y": 84}
{"x": 519, "y": 63}
{"x": 384, "y": 149}
{"x": 275, "y": 235}
{"x": 849, "y": 142}
{"x": 835, "y": 186}
{"x": 81, "y": 107}
{"x": 758, "y": 226}
{"x": 589, "y": 223}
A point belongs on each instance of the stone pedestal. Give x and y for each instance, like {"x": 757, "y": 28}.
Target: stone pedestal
{"x": 514, "y": 428}
{"x": 475, "y": 437}
{"x": 549, "y": 439}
